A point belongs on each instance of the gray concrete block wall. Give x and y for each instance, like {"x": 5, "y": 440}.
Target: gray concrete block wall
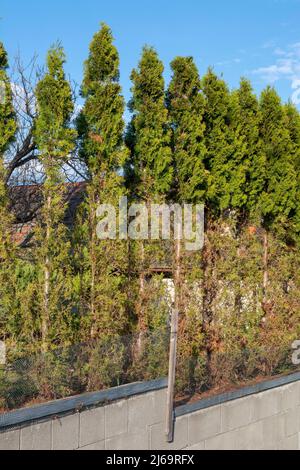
{"x": 266, "y": 420}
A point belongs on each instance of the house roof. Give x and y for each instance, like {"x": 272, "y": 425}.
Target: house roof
{"x": 26, "y": 202}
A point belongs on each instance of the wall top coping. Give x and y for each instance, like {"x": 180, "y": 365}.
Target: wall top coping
{"x": 25, "y": 416}
{"x": 235, "y": 394}
{"x": 77, "y": 403}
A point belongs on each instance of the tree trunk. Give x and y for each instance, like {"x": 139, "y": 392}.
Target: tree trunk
{"x": 175, "y": 316}
{"x": 93, "y": 269}
{"x": 177, "y": 276}
{"x": 140, "y": 307}
{"x": 45, "y": 319}
{"x": 208, "y": 295}
{"x": 265, "y": 265}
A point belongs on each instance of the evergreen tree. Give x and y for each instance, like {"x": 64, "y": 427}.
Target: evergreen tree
{"x": 247, "y": 164}
{"x": 277, "y": 202}
{"x": 7, "y": 251}
{"x": 100, "y": 127}
{"x": 186, "y": 108}
{"x": 7, "y": 114}
{"x": 149, "y": 170}
{"x": 293, "y": 126}
{"x": 148, "y": 136}
{"x": 55, "y": 140}
{"x": 218, "y": 140}
{"x": 219, "y": 145}
{"x": 7, "y": 132}
{"x": 279, "y": 192}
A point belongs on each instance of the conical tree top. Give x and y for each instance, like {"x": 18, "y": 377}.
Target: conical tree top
{"x": 103, "y": 61}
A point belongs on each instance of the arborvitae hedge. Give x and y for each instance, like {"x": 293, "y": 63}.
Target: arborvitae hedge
{"x": 193, "y": 141}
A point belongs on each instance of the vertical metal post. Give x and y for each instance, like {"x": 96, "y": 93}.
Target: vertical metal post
{"x": 174, "y": 333}
{"x": 171, "y": 376}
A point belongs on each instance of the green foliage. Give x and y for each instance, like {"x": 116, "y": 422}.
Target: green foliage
{"x": 7, "y": 115}
{"x": 100, "y": 127}
{"x": 197, "y": 142}
{"x": 278, "y": 198}
{"x": 55, "y": 140}
{"x": 293, "y": 127}
{"x": 7, "y": 246}
{"x": 248, "y": 160}
{"x": 148, "y": 135}
{"x": 186, "y": 108}
{"x": 53, "y": 135}
{"x": 218, "y": 140}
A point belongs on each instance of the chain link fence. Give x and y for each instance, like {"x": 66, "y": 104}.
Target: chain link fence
{"x": 223, "y": 371}
{"x": 114, "y": 361}
{"x": 83, "y": 368}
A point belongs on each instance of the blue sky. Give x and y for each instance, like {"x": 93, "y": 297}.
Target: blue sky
{"x": 259, "y": 39}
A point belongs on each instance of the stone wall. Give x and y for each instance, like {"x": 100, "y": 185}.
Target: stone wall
{"x": 262, "y": 416}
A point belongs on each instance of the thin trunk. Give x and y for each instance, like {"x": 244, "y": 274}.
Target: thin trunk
{"x": 177, "y": 275}
{"x": 208, "y": 295}
{"x": 265, "y": 265}
{"x": 175, "y": 315}
{"x": 171, "y": 377}
{"x": 45, "y": 319}
{"x": 93, "y": 273}
{"x": 140, "y": 308}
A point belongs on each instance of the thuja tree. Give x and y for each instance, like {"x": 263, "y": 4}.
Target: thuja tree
{"x": 55, "y": 140}
{"x": 293, "y": 127}
{"x": 219, "y": 146}
{"x": 148, "y": 135}
{"x": 7, "y": 116}
{"x": 278, "y": 205}
{"x": 186, "y": 105}
{"x": 277, "y": 201}
{"x": 257, "y": 262}
{"x": 100, "y": 127}
{"x": 278, "y": 195}
{"x": 7, "y": 252}
{"x": 246, "y": 176}
{"x": 238, "y": 268}
{"x": 149, "y": 170}
{"x": 218, "y": 140}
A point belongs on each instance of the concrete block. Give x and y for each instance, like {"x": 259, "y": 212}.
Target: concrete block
{"x": 37, "y": 436}
{"x": 225, "y": 441}
{"x": 267, "y": 403}
{"x": 65, "y": 432}
{"x": 237, "y": 413}
{"x": 91, "y": 426}
{"x": 10, "y": 440}
{"x": 289, "y": 443}
{"x": 116, "y": 418}
{"x": 273, "y": 446}
{"x": 273, "y": 430}
{"x": 158, "y": 436}
{"x": 292, "y": 421}
{"x": 160, "y": 401}
{"x": 290, "y": 396}
{"x": 249, "y": 437}
{"x": 96, "y": 446}
{"x": 204, "y": 424}
{"x": 146, "y": 409}
{"x": 128, "y": 441}
{"x": 198, "y": 446}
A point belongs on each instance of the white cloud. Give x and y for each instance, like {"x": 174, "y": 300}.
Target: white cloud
{"x": 286, "y": 66}
{"x": 236, "y": 60}
{"x": 296, "y": 94}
